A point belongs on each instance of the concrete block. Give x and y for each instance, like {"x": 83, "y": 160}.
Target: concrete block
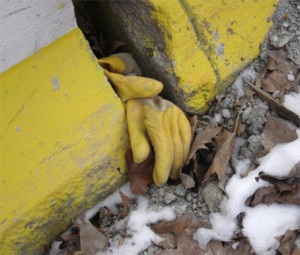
{"x": 63, "y": 140}
{"x": 196, "y": 48}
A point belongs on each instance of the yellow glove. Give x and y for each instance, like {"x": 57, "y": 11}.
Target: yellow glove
{"x": 121, "y": 63}
{"x": 161, "y": 123}
{"x": 127, "y": 87}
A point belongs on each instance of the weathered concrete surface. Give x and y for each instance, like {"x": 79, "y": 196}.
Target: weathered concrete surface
{"x": 194, "y": 47}
{"x": 63, "y": 140}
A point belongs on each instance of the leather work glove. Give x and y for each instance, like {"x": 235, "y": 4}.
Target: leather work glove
{"x": 161, "y": 123}
{"x": 117, "y": 66}
{"x": 152, "y": 120}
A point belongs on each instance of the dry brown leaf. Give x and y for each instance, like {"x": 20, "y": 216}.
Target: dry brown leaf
{"x": 175, "y": 226}
{"x": 183, "y": 229}
{"x": 91, "y": 240}
{"x": 203, "y": 138}
{"x": 277, "y": 131}
{"x": 194, "y": 124}
{"x": 287, "y": 242}
{"x": 127, "y": 203}
{"x": 295, "y": 170}
{"x": 224, "y": 146}
{"x": 187, "y": 245}
{"x": 178, "y": 225}
{"x": 187, "y": 181}
{"x": 70, "y": 244}
{"x": 284, "y": 190}
{"x": 264, "y": 195}
{"x": 140, "y": 175}
{"x": 282, "y": 62}
{"x": 215, "y": 247}
{"x": 169, "y": 241}
{"x": 243, "y": 247}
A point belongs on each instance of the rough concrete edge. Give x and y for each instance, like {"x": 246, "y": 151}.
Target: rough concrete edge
{"x": 37, "y": 243}
{"x": 111, "y": 9}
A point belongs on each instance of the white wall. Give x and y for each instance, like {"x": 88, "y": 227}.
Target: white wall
{"x": 29, "y": 25}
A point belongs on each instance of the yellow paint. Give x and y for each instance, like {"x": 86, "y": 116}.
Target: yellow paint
{"x": 210, "y": 41}
{"x": 183, "y": 50}
{"x": 63, "y": 138}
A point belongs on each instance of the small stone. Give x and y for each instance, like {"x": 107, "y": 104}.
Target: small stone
{"x": 189, "y": 197}
{"x": 218, "y": 118}
{"x": 254, "y": 143}
{"x": 263, "y": 55}
{"x": 246, "y": 114}
{"x": 225, "y": 103}
{"x": 290, "y": 77}
{"x": 152, "y": 249}
{"x": 169, "y": 198}
{"x": 194, "y": 207}
{"x": 194, "y": 194}
{"x": 276, "y": 93}
{"x": 195, "y": 200}
{"x": 180, "y": 190}
{"x": 286, "y": 24}
{"x": 279, "y": 42}
{"x": 212, "y": 195}
{"x": 161, "y": 192}
{"x": 226, "y": 113}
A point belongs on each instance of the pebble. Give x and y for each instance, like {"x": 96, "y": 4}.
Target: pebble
{"x": 290, "y": 77}
{"x": 226, "y": 113}
{"x": 212, "y": 195}
{"x": 194, "y": 194}
{"x": 225, "y": 103}
{"x": 254, "y": 143}
{"x": 152, "y": 250}
{"x": 263, "y": 55}
{"x": 180, "y": 190}
{"x": 194, "y": 207}
{"x": 279, "y": 41}
{"x": 286, "y": 24}
{"x": 218, "y": 118}
{"x": 169, "y": 198}
{"x": 161, "y": 192}
{"x": 189, "y": 197}
{"x": 257, "y": 118}
{"x": 246, "y": 114}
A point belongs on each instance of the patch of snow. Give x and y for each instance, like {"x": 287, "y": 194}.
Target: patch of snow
{"x": 261, "y": 223}
{"x": 110, "y": 202}
{"x": 292, "y": 102}
{"x": 222, "y": 229}
{"x": 140, "y": 235}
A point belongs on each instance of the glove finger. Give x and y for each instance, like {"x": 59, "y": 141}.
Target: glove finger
{"x": 137, "y": 130}
{"x": 121, "y": 63}
{"x": 177, "y": 142}
{"x": 157, "y": 127}
{"x": 113, "y": 64}
{"x": 129, "y": 87}
{"x": 131, "y": 67}
{"x": 185, "y": 134}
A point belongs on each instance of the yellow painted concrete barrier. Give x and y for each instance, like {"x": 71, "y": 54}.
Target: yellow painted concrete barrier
{"x": 195, "y": 47}
{"x": 63, "y": 139}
